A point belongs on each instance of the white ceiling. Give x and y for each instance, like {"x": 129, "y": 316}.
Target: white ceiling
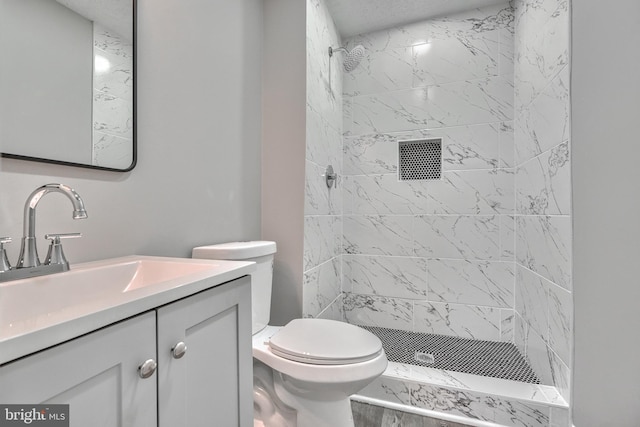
{"x": 362, "y": 16}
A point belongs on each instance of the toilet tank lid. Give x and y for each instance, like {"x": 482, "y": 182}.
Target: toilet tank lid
{"x": 235, "y": 250}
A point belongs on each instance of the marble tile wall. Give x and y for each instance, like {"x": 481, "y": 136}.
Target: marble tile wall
{"x": 432, "y": 256}
{"x": 543, "y": 300}
{"x": 321, "y": 295}
{"x": 112, "y": 99}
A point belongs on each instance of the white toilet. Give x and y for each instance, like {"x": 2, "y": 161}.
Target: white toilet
{"x": 304, "y": 372}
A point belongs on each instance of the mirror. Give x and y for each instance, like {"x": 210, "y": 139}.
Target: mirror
{"x": 67, "y": 82}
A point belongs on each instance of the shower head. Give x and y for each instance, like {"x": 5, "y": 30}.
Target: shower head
{"x": 352, "y": 57}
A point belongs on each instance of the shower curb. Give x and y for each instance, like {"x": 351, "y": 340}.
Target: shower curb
{"x": 472, "y": 397}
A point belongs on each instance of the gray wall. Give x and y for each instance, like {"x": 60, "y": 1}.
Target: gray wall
{"x": 283, "y": 150}
{"x": 199, "y": 119}
{"x": 606, "y": 204}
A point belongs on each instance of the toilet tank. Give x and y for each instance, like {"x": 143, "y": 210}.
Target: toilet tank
{"x": 260, "y": 252}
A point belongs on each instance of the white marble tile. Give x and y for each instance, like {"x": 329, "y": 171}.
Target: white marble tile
{"x": 452, "y": 104}
{"x": 333, "y": 311}
{"x": 538, "y": 354}
{"x": 507, "y": 49}
{"x": 542, "y": 45}
{"x": 459, "y": 237}
{"x": 111, "y": 151}
{"x": 543, "y": 245}
{"x": 468, "y": 24}
{"x": 463, "y": 148}
{"x": 399, "y": 277}
{"x": 113, "y": 70}
{"x": 398, "y": 371}
{"x": 518, "y": 413}
{"x": 507, "y": 145}
{"x": 382, "y": 71}
{"x": 456, "y": 59}
{"x": 468, "y": 147}
{"x": 322, "y": 239}
{"x": 553, "y": 396}
{"x": 108, "y": 41}
{"x": 485, "y": 407}
{"x": 370, "y": 154}
{"x": 390, "y": 112}
{"x": 544, "y": 123}
{"x": 347, "y": 116}
{"x": 485, "y": 283}
{"x": 470, "y": 102}
{"x": 532, "y": 300}
{"x": 371, "y": 310}
{"x": 385, "y": 194}
{"x": 503, "y": 388}
{"x": 389, "y": 390}
{"x": 560, "y": 330}
{"x": 507, "y": 237}
{"x": 326, "y": 106}
{"x": 324, "y": 76}
{"x": 507, "y": 325}
{"x": 321, "y": 286}
{"x": 520, "y": 333}
{"x": 544, "y": 183}
{"x": 467, "y": 321}
{"x": 378, "y": 235}
{"x": 480, "y": 192}
{"x": 346, "y": 186}
{"x": 560, "y": 373}
{"x": 112, "y": 115}
{"x": 324, "y": 140}
{"x": 320, "y": 199}
{"x": 560, "y": 417}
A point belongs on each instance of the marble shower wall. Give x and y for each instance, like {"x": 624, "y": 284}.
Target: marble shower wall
{"x": 432, "y": 256}
{"x": 543, "y": 299}
{"x": 323, "y": 206}
{"x": 112, "y": 99}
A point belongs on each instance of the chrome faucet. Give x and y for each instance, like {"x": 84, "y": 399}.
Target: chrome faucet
{"x": 28, "y": 251}
{"x": 29, "y": 264}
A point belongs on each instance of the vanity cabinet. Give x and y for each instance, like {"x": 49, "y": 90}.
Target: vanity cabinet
{"x": 212, "y": 384}
{"x": 97, "y": 374}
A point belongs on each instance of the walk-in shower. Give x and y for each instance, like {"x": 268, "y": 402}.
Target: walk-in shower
{"x": 460, "y": 265}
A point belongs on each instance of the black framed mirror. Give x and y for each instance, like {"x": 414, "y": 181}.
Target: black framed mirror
{"x": 67, "y": 83}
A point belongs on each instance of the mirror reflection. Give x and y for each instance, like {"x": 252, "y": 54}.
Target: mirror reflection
{"x": 66, "y": 84}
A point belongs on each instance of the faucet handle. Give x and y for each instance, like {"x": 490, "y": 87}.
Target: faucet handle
{"x": 57, "y": 236}
{"x": 56, "y": 254}
{"x": 4, "y": 260}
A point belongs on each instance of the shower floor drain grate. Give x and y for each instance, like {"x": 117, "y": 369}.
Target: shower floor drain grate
{"x": 486, "y": 358}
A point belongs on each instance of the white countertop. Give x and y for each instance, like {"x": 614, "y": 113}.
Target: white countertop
{"x": 22, "y": 336}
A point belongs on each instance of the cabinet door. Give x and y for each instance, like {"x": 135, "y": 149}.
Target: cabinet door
{"x": 96, "y": 374}
{"x": 211, "y": 385}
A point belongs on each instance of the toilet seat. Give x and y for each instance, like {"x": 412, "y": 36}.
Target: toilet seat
{"x": 324, "y": 342}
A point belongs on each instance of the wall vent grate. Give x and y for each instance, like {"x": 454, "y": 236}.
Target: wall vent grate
{"x": 487, "y": 358}
{"x": 420, "y": 159}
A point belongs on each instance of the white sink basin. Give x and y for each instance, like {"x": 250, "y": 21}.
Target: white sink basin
{"x": 95, "y": 294}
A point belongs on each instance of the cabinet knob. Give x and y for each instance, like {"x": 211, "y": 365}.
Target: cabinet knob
{"x": 179, "y": 350}
{"x": 147, "y": 368}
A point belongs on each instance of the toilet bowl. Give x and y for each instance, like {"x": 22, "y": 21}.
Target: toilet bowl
{"x": 305, "y": 371}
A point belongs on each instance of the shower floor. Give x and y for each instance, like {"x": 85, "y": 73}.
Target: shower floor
{"x": 485, "y": 358}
